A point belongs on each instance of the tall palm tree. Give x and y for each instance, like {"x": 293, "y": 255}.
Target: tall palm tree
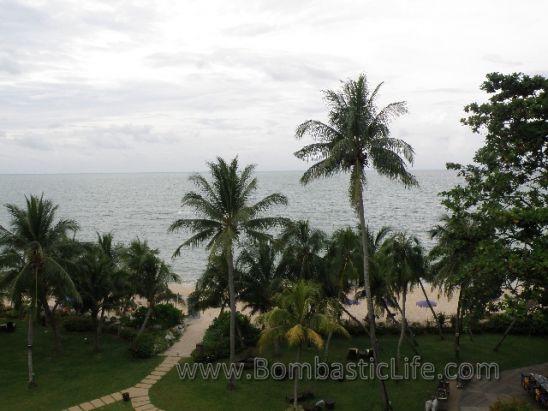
{"x": 151, "y": 275}
{"x": 356, "y": 137}
{"x": 404, "y": 263}
{"x": 296, "y": 320}
{"x": 302, "y": 247}
{"x": 36, "y": 236}
{"x": 226, "y": 215}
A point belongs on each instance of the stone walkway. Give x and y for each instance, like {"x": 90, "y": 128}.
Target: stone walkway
{"x": 478, "y": 395}
{"x": 138, "y": 394}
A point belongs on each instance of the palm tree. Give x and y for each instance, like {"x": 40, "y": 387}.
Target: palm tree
{"x": 211, "y": 289}
{"x": 457, "y": 237}
{"x": 97, "y": 280}
{"x": 227, "y": 216}
{"x": 296, "y": 320}
{"x": 36, "y": 236}
{"x": 403, "y": 262}
{"x": 150, "y": 274}
{"x": 260, "y": 277}
{"x": 301, "y": 251}
{"x": 357, "y": 136}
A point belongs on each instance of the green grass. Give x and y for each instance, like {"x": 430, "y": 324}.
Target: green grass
{"x": 70, "y": 377}
{"x": 171, "y": 393}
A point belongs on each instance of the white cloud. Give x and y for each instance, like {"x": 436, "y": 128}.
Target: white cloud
{"x": 163, "y": 86}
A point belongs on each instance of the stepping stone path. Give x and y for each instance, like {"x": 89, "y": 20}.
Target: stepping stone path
{"x": 138, "y": 394}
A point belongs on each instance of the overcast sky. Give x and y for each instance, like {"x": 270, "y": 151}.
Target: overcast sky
{"x": 123, "y": 86}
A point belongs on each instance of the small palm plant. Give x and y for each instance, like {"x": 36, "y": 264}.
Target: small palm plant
{"x": 150, "y": 274}
{"x": 297, "y": 321}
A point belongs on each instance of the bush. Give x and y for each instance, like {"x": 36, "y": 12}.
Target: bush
{"x": 78, "y": 324}
{"x": 510, "y": 405}
{"x": 163, "y": 315}
{"x": 498, "y": 323}
{"x": 144, "y": 346}
{"x": 127, "y": 333}
{"x": 167, "y": 315}
{"x": 216, "y": 342}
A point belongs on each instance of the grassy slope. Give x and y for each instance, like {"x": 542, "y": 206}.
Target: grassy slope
{"x": 71, "y": 377}
{"x": 173, "y": 394}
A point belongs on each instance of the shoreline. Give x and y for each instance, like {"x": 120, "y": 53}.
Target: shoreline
{"x": 414, "y": 313}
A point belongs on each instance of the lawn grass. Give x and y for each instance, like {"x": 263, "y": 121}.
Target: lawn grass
{"x": 70, "y": 377}
{"x": 171, "y": 393}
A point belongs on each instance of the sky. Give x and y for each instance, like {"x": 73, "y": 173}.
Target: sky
{"x": 146, "y": 86}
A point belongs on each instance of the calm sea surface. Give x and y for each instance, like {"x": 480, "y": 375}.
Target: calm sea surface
{"x": 144, "y": 205}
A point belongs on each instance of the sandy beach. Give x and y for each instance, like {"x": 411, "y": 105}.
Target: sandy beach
{"x": 414, "y": 313}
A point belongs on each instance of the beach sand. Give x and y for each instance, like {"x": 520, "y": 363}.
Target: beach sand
{"x": 413, "y": 312}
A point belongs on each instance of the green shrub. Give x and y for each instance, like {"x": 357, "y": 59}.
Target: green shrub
{"x": 510, "y": 405}
{"x": 535, "y": 325}
{"x": 127, "y": 333}
{"x": 167, "y": 315}
{"x": 216, "y": 342}
{"x": 78, "y": 324}
{"x": 164, "y": 315}
{"x": 144, "y": 346}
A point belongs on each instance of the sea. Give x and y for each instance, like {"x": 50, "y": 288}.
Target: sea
{"x": 143, "y": 205}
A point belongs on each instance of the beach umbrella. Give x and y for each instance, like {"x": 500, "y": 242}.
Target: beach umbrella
{"x": 424, "y": 303}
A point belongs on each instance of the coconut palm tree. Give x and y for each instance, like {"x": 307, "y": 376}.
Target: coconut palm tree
{"x": 211, "y": 289}
{"x": 150, "y": 274}
{"x": 403, "y": 262}
{"x": 226, "y": 216}
{"x": 98, "y": 278}
{"x": 296, "y": 320}
{"x": 260, "y": 278}
{"x": 457, "y": 237}
{"x": 33, "y": 242}
{"x": 302, "y": 247}
{"x": 356, "y": 137}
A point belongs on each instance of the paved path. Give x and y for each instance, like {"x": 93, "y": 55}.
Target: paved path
{"x": 478, "y": 395}
{"x": 140, "y": 400}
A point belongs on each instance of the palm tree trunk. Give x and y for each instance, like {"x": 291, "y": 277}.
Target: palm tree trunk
{"x": 505, "y": 334}
{"x": 411, "y": 338}
{"x": 231, "y": 293}
{"x": 326, "y": 351}
{"x": 95, "y": 321}
{"x": 352, "y": 317}
{"x": 30, "y": 332}
{"x": 440, "y": 330}
{"x": 296, "y": 380}
{"x": 408, "y": 328}
{"x": 147, "y": 317}
{"x": 369, "y": 297}
{"x": 50, "y": 316}
{"x": 457, "y": 326}
{"x": 402, "y": 333}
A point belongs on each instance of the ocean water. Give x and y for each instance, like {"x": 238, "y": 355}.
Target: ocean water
{"x": 144, "y": 205}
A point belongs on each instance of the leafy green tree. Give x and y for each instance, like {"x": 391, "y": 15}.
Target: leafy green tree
{"x": 302, "y": 248}
{"x": 34, "y": 242}
{"x": 356, "y": 137}
{"x": 150, "y": 274}
{"x": 505, "y": 189}
{"x": 226, "y": 215}
{"x": 296, "y": 320}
